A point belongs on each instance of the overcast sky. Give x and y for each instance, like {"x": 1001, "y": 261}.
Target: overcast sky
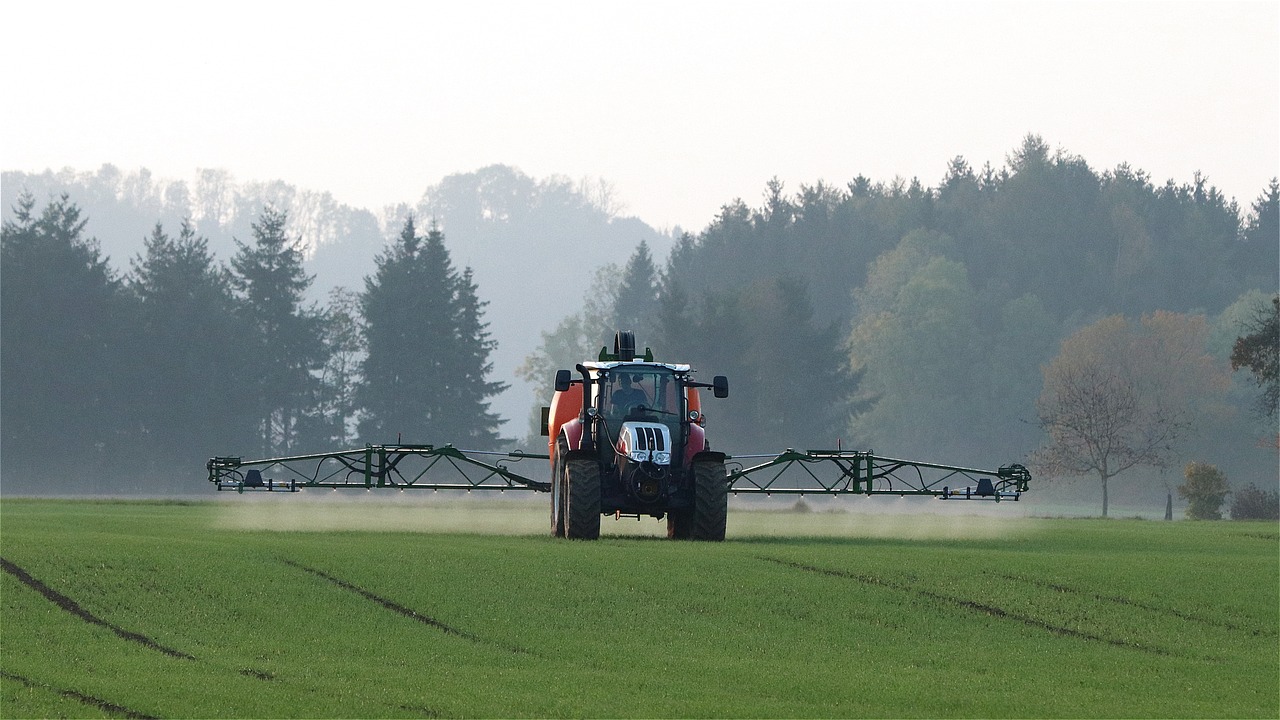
{"x": 682, "y": 106}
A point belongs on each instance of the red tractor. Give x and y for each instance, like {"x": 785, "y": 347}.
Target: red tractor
{"x": 627, "y": 439}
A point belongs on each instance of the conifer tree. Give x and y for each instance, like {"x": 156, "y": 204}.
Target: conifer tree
{"x": 187, "y": 358}
{"x": 284, "y": 346}
{"x": 636, "y": 307}
{"x": 476, "y": 425}
{"x": 62, "y": 331}
{"x": 424, "y": 377}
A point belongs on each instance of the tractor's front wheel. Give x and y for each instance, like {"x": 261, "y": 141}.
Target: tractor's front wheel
{"x": 707, "y": 519}
{"x": 582, "y": 499}
{"x": 710, "y": 501}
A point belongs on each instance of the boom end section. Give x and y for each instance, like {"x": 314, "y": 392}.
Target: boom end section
{"x": 225, "y": 474}
{"x": 254, "y": 482}
{"x": 1011, "y": 481}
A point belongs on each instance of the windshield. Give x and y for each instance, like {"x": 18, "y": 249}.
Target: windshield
{"x": 641, "y": 392}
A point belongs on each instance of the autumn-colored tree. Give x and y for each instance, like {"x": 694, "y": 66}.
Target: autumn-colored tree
{"x": 1205, "y": 490}
{"x": 1119, "y": 396}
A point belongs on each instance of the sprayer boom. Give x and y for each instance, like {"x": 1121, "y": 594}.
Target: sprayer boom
{"x": 845, "y": 472}
{"x": 417, "y": 467}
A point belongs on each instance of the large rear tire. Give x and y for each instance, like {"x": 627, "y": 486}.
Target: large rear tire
{"x": 582, "y": 495}
{"x": 710, "y": 501}
{"x": 557, "y": 492}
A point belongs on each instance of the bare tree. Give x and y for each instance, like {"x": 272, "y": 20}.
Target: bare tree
{"x": 1097, "y": 422}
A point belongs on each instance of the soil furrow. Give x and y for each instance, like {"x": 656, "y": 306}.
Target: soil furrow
{"x": 974, "y": 605}
{"x": 99, "y": 703}
{"x": 1121, "y": 600}
{"x": 400, "y": 609}
{"x": 75, "y": 609}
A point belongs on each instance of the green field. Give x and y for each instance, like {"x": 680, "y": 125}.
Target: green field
{"x": 134, "y": 609}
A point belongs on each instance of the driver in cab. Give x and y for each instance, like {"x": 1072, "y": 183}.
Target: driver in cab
{"x": 628, "y": 397}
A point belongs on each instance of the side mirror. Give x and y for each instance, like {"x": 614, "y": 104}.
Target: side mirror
{"x": 562, "y": 380}
{"x": 720, "y": 386}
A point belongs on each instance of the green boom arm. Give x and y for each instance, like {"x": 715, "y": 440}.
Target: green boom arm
{"x": 844, "y": 472}
{"x": 426, "y": 467}
{"x": 422, "y": 467}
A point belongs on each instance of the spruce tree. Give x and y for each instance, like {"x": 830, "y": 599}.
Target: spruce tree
{"x": 636, "y": 307}
{"x": 424, "y": 377}
{"x": 477, "y": 426}
{"x": 284, "y": 345}
{"x": 187, "y": 357}
{"x": 63, "y": 316}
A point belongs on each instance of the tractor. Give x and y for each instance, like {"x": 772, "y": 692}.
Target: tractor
{"x": 628, "y": 439}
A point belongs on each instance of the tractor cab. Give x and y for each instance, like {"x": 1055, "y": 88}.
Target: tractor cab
{"x": 647, "y": 393}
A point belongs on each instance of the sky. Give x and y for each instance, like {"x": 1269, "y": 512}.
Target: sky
{"x": 681, "y": 107}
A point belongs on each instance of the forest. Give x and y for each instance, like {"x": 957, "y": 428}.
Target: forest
{"x": 942, "y": 322}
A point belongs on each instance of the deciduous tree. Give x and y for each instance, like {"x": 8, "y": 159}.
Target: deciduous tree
{"x": 1116, "y": 397}
{"x": 340, "y": 376}
{"x": 1259, "y": 351}
{"x": 579, "y": 336}
{"x": 1253, "y": 503}
{"x": 915, "y": 338}
{"x": 1204, "y": 490}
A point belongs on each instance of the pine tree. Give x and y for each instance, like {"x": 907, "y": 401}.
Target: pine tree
{"x": 285, "y": 344}
{"x": 477, "y": 426}
{"x": 64, "y": 316}
{"x": 428, "y": 349}
{"x": 636, "y": 308}
{"x": 187, "y": 358}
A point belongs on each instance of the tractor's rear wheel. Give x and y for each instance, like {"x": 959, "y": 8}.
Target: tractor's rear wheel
{"x": 582, "y": 496}
{"x": 710, "y": 501}
{"x": 557, "y": 492}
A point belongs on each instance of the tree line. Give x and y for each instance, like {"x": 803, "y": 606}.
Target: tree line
{"x": 938, "y": 323}
{"x": 126, "y": 382}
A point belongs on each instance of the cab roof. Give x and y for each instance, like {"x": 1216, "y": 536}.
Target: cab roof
{"x": 607, "y": 366}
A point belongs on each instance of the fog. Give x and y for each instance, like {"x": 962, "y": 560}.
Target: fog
{"x": 524, "y": 514}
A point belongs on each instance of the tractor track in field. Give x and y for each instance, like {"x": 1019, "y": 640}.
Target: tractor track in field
{"x": 421, "y": 710}
{"x": 402, "y": 610}
{"x": 99, "y": 703}
{"x": 992, "y": 610}
{"x": 1126, "y": 602}
{"x": 73, "y": 607}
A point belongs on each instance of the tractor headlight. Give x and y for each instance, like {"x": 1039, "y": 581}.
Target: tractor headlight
{"x": 638, "y": 456}
{"x": 662, "y": 458}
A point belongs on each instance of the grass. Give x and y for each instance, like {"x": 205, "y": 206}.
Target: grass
{"x": 396, "y": 612}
